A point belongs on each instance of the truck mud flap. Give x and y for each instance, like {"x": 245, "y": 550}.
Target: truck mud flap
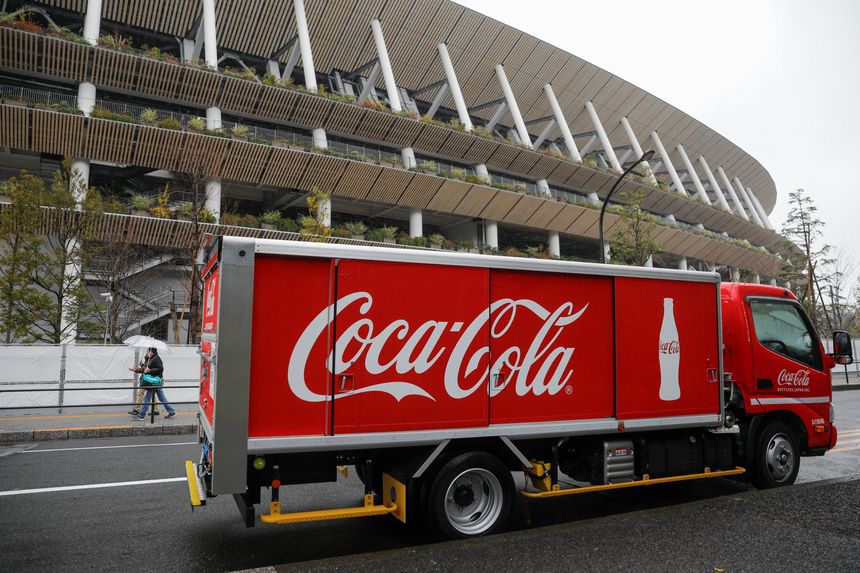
{"x": 196, "y": 489}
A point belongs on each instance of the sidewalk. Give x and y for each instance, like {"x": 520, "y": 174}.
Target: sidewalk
{"x": 77, "y": 423}
{"x": 839, "y": 382}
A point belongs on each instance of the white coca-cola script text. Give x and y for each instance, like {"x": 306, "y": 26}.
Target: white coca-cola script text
{"x": 541, "y": 368}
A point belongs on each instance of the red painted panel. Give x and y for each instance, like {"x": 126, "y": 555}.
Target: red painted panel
{"x": 289, "y": 294}
{"x": 551, "y": 346}
{"x": 411, "y": 350}
{"x": 667, "y": 348}
{"x": 210, "y": 301}
{"x": 207, "y": 383}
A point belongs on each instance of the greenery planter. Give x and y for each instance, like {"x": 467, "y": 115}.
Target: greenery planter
{"x": 5, "y": 199}
{"x": 358, "y": 237}
{"x": 389, "y": 241}
{"x": 140, "y": 213}
{"x": 296, "y": 147}
{"x": 268, "y": 226}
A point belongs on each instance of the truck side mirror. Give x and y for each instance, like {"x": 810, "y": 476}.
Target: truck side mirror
{"x": 843, "y": 352}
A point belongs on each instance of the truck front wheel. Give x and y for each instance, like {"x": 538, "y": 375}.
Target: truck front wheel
{"x": 471, "y": 495}
{"x": 777, "y": 457}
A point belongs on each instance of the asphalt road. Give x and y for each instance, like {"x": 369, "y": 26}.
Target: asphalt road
{"x": 149, "y": 526}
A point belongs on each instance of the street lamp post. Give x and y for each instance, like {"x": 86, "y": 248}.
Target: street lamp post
{"x": 645, "y": 157}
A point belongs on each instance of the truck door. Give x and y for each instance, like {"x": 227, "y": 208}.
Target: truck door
{"x": 668, "y": 354}
{"x": 410, "y": 347}
{"x": 788, "y": 365}
{"x": 551, "y": 347}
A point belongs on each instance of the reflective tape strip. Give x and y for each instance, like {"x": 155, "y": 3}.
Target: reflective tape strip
{"x": 771, "y": 401}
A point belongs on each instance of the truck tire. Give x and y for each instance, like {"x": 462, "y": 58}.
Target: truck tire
{"x": 471, "y": 495}
{"x": 777, "y": 456}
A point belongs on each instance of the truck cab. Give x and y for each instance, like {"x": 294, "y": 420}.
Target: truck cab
{"x": 777, "y": 381}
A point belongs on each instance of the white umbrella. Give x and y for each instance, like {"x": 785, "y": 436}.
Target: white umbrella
{"x": 140, "y": 341}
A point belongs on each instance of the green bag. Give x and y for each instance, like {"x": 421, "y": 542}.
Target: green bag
{"x": 150, "y": 380}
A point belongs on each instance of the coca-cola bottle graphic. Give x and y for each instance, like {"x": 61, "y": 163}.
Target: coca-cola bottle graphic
{"x": 670, "y": 354}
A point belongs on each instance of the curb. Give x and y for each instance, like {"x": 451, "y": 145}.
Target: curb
{"x": 846, "y": 387}
{"x": 7, "y": 437}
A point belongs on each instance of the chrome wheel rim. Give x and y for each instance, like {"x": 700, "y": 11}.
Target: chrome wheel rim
{"x": 473, "y": 501}
{"x": 780, "y": 457}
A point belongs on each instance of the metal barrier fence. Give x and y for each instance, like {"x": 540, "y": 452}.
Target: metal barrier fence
{"x": 78, "y": 375}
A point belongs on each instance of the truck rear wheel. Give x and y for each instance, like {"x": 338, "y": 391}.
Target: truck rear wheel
{"x": 777, "y": 457}
{"x": 471, "y": 495}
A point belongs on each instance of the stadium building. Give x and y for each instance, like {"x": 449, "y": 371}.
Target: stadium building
{"x": 421, "y": 115}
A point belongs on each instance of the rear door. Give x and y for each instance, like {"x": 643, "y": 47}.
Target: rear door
{"x": 668, "y": 355}
{"x": 410, "y": 347}
{"x": 551, "y": 346}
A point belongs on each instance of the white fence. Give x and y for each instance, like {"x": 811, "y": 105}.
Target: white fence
{"x": 63, "y": 369}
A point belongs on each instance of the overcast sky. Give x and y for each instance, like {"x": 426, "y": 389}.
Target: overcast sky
{"x": 779, "y": 78}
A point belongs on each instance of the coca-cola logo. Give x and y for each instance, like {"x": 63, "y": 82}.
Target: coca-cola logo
{"x": 796, "y": 378}
{"x": 671, "y": 347}
{"x": 542, "y": 368}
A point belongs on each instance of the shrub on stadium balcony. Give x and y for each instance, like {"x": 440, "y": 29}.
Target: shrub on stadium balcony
{"x": 114, "y": 205}
{"x": 232, "y": 219}
{"x": 170, "y": 123}
{"x": 436, "y": 240}
{"x": 249, "y": 220}
{"x": 270, "y": 219}
{"x": 357, "y": 229}
{"x": 66, "y": 34}
{"x": 204, "y": 215}
{"x": 389, "y": 234}
{"x": 374, "y": 235}
{"x": 141, "y": 204}
{"x": 288, "y": 225}
{"x": 149, "y": 117}
{"x": 239, "y": 132}
{"x": 116, "y": 42}
{"x": 196, "y": 124}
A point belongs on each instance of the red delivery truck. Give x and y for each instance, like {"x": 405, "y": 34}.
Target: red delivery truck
{"x": 437, "y": 374}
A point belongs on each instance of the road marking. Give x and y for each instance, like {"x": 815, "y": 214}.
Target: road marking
{"x": 102, "y": 415}
{"x": 88, "y": 486}
{"x": 837, "y": 450}
{"x": 108, "y": 447}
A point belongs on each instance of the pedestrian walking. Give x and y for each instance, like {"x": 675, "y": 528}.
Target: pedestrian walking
{"x": 152, "y": 380}
{"x": 141, "y": 391}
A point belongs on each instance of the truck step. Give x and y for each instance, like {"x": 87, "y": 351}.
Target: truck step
{"x": 642, "y": 482}
{"x": 369, "y": 509}
{"x": 195, "y": 485}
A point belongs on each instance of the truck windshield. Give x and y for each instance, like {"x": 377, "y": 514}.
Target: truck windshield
{"x": 781, "y": 327}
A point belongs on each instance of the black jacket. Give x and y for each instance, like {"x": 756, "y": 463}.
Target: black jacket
{"x": 156, "y": 366}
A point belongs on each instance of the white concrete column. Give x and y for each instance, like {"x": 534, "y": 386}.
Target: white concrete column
{"x": 682, "y": 264}
{"x": 736, "y": 275}
{"x": 742, "y": 193}
{"x": 560, "y": 120}
{"x": 772, "y": 282}
{"x": 691, "y": 171}
{"x": 594, "y": 198}
{"x": 543, "y": 187}
{"x": 667, "y": 161}
{"x": 408, "y": 155}
{"x": 212, "y": 201}
{"x": 385, "y": 63}
{"x": 86, "y": 97}
{"x": 454, "y": 86}
{"x": 757, "y": 279}
{"x": 92, "y": 21}
{"x": 325, "y": 211}
{"x": 213, "y": 118}
{"x": 210, "y": 38}
{"x": 554, "y": 244}
{"x": 491, "y": 230}
{"x": 649, "y": 262}
{"x": 604, "y": 139}
{"x": 759, "y": 209}
{"x": 416, "y": 223}
{"x": 481, "y": 171}
{"x": 721, "y": 199}
{"x": 739, "y": 209}
{"x": 319, "y": 138}
{"x": 512, "y": 104}
{"x": 305, "y": 45}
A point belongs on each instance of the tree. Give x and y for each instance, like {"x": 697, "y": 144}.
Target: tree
{"x": 18, "y": 230}
{"x": 314, "y": 223}
{"x": 633, "y": 242}
{"x": 54, "y": 301}
{"x": 804, "y": 230}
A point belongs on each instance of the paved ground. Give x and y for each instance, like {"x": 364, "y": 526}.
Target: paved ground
{"x": 143, "y": 520}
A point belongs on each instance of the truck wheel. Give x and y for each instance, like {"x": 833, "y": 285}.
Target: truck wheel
{"x": 471, "y": 495}
{"x": 777, "y": 457}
